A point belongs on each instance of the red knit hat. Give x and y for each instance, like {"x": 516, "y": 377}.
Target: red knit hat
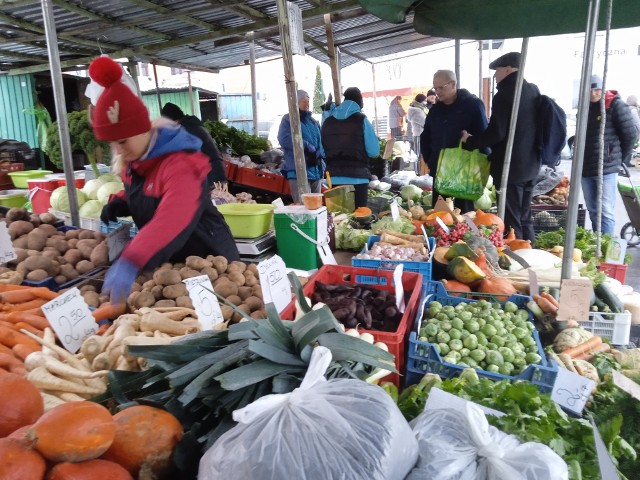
{"x": 118, "y": 113}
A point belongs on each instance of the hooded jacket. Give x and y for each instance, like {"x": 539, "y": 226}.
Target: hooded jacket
{"x": 525, "y": 160}
{"x": 416, "y": 116}
{"x": 349, "y": 141}
{"x": 310, "y": 129}
{"x": 619, "y": 135}
{"x": 193, "y": 125}
{"x": 445, "y": 123}
{"x": 167, "y": 194}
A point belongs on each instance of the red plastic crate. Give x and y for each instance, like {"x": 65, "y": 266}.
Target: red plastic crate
{"x": 286, "y": 188}
{"x": 230, "y": 170}
{"x": 619, "y": 272}
{"x": 260, "y": 179}
{"x": 382, "y": 280}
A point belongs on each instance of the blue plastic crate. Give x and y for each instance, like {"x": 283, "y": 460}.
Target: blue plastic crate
{"x": 423, "y": 268}
{"x": 112, "y": 226}
{"x": 51, "y": 284}
{"x": 422, "y": 357}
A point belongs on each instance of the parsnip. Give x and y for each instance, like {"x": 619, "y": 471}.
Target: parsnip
{"x": 49, "y": 337}
{"x": 70, "y": 397}
{"x": 50, "y": 401}
{"x": 43, "y": 379}
{"x": 56, "y": 367}
{"x": 95, "y": 345}
{"x": 101, "y": 362}
{"x": 61, "y": 352}
{"x": 152, "y": 320}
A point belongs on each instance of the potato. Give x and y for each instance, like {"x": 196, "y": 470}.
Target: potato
{"x": 60, "y": 245}
{"x": 186, "y": 272}
{"x": 257, "y": 291}
{"x": 179, "y": 265}
{"x": 73, "y": 256}
{"x": 253, "y": 268}
{"x": 244, "y": 292}
{"x": 85, "y": 234}
{"x": 72, "y": 242}
{"x": 235, "y": 299}
{"x": 35, "y": 219}
{"x": 11, "y": 278}
{"x": 165, "y": 303}
{"x": 236, "y": 266}
{"x": 99, "y": 236}
{"x": 227, "y": 312}
{"x": 19, "y": 228}
{"x": 50, "y": 230}
{"x": 72, "y": 234}
{"x": 157, "y": 292}
{"x": 60, "y": 279}
{"x": 144, "y": 299}
{"x": 148, "y": 285}
{"x": 15, "y": 214}
{"x": 251, "y": 280}
{"x": 258, "y": 315}
{"x": 166, "y": 266}
{"x": 37, "y": 275}
{"x": 20, "y": 242}
{"x": 136, "y": 287}
{"x": 92, "y": 299}
{"x": 220, "y": 263}
{"x": 131, "y": 300}
{"x": 166, "y": 277}
{"x": 226, "y": 288}
{"x": 48, "y": 218}
{"x": 184, "y": 302}
{"x": 100, "y": 255}
{"x": 175, "y": 291}
{"x": 36, "y": 262}
{"x": 254, "y": 303}
{"x": 197, "y": 263}
{"x": 84, "y": 266}
{"x": 237, "y": 316}
{"x": 5, "y": 270}
{"x": 88, "y": 288}
{"x": 86, "y": 246}
{"x": 68, "y": 271}
{"x": 237, "y": 278}
{"x": 52, "y": 254}
{"x": 210, "y": 272}
{"x": 21, "y": 253}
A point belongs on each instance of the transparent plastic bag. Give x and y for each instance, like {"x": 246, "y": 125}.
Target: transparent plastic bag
{"x": 459, "y": 446}
{"x": 340, "y": 429}
{"x": 462, "y": 173}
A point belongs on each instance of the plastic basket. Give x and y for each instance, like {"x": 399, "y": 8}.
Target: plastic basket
{"x": 85, "y": 222}
{"x": 20, "y": 178}
{"x": 113, "y": 226}
{"x": 612, "y": 270}
{"x": 14, "y": 198}
{"x": 615, "y": 327}
{"x": 382, "y": 280}
{"x": 230, "y": 170}
{"x": 247, "y": 220}
{"x": 423, "y": 268}
{"x": 423, "y": 357}
{"x": 260, "y": 179}
{"x": 51, "y": 284}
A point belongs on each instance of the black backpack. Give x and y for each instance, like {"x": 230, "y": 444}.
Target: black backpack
{"x": 551, "y": 135}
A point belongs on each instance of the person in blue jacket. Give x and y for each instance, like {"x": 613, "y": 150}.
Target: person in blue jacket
{"x": 313, "y": 151}
{"x": 349, "y": 142}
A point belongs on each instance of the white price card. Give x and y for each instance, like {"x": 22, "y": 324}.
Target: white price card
{"x": 471, "y": 225}
{"x": 442, "y": 225}
{"x": 275, "y": 285}
{"x": 278, "y": 203}
{"x": 533, "y": 283}
{"x": 205, "y": 302}
{"x": 7, "y": 252}
{"x": 571, "y": 391}
{"x": 575, "y": 295}
{"x": 395, "y": 211}
{"x": 71, "y": 319}
{"x": 397, "y": 281}
{"x": 117, "y": 240}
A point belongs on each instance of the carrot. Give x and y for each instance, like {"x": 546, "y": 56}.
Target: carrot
{"x": 34, "y": 311}
{"x": 45, "y": 293}
{"x": 22, "y": 350}
{"x": 17, "y": 296}
{"x": 3, "y": 371}
{"x": 103, "y": 328}
{"x": 5, "y": 349}
{"x": 545, "y": 305}
{"x": 551, "y": 298}
{"x": 10, "y": 337}
{"x": 584, "y": 347}
{"x": 34, "y": 320}
{"x": 11, "y": 288}
{"x": 9, "y": 361}
{"x": 588, "y": 356}
{"x": 109, "y": 312}
{"x": 28, "y": 326}
{"x": 19, "y": 307}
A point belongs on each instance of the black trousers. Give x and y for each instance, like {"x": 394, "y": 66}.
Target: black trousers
{"x": 517, "y": 214}
{"x": 361, "y": 194}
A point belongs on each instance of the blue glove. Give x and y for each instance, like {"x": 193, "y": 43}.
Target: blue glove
{"x": 119, "y": 280}
{"x": 309, "y": 148}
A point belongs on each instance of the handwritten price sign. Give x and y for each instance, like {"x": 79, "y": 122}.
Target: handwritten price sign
{"x": 275, "y": 285}
{"x": 571, "y": 390}
{"x": 71, "y": 319}
{"x": 205, "y": 303}
{"x": 7, "y": 252}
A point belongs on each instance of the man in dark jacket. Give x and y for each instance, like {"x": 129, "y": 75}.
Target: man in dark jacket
{"x": 525, "y": 161}
{"x": 619, "y": 137}
{"x": 193, "y": 125}
{"x": 456, "y": 110}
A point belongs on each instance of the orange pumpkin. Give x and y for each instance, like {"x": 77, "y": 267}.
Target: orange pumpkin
{"x": 481, "y": 262}
{"x": 455, "y": 288}
{"x": 488, "y": 220}
{"x": 19, "y": 462}
{"x": 145, "y": 439}
{"x": 446, "y": 218}
{"x": 20, "y": 403}
{"x": 89, "y": 470}
{"x": 73, "y": 432}
{"x": 497, "y": 285}
{"x": 519, "y": 244}
{"x": 21, "y": 435}
{"x": 511, "y": 237}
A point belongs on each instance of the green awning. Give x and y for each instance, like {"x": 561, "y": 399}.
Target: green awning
{"x": 487, "y": 19}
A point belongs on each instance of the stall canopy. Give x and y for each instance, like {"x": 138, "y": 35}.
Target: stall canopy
{"x": 204, "y": 35}
{"x": 486, "y": 19}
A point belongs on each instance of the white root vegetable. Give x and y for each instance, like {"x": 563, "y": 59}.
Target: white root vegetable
{"x": 70, "y": 397}
{"x": 101, "y": 362}
{"x": 56, "y": 367}
{"x": 153, "y": 320}
{"x": 129, "y": 319}
{"x": 51, "y": 401}
{"x": 123, "y": 364}
{"x": 143, "y": 340}
{"x": 43, "y": 379}
{"x": 367, "y": 337}
{"x": 60, "y": 352}
{"x": 142, "y": 363}
{"x": 352, "y": 332}
{"x": 159, "y": 334}
{"x": 174, "y": 313}
{"x": 49, "y": 337}
{"x": 95, "y": 345}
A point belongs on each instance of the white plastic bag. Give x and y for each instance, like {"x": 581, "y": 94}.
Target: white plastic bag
{"x": 340, "y": 429}
{"x": 463, "y": 446}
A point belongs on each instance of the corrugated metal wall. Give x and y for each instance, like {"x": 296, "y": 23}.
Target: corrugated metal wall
{"x": 180, "y": 99}
{"x": 16, "y": 94}
{"x": 235, "y": 106}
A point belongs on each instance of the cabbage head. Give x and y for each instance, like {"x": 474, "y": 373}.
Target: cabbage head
{"x": 411, "y": 192}
{"x": 91, "y": 187}
{"x": 91, "y": 209}
{"x": 108, "y": 189}
{"x": 484, "y": 202}
{"x": 60, "y": 199}
{"x": 109, "y": 177}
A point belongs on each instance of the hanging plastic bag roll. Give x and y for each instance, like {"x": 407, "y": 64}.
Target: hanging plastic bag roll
{"x": 325, "y": 429}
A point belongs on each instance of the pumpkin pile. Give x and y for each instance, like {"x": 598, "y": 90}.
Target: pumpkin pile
{"x": 81, "y": 440}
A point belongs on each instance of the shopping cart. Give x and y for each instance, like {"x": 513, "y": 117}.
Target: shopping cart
{"x": 631, "y": 198}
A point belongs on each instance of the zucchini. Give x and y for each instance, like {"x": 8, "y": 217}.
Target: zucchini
{"x": 607, "y": 296}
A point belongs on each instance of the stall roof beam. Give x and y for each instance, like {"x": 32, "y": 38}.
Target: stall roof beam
{"x": 166, "y": 12}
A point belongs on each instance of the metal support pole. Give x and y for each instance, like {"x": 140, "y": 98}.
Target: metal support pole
{"x": 333, "y": 60}
{"x": 375, "y": 99}
{"x": 193, "y": 109}
{"x": 61, "y": 107}
{"x": 292, "y": 99}
{"x": 254, "y": 93}
{"x": 502, "y": 200}
{"x": 155, "y": 77}
{"x": 581, "y": 132}
{"x": 480, "y": 72}
{"x": 457, "y": 61}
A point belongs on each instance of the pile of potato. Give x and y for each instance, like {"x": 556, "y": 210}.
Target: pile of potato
{"x": 237, "y": 282}
{"x": 44, "y": 252}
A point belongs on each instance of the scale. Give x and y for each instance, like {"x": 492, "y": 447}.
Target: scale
{"x": 257, "y": 249}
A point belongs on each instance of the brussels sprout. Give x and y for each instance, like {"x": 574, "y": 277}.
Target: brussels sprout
{"x": 533, "y": 358}
{"x": 454, "y": 333}
{"x": 505, "y": 369}
{"x": 477, "y": 354}
{"x": 469, "y": 361}
{"x": 510, "y": 338}
{"x": 437, "y": 347}
{"x": 443, "y": 337}
{"x": 501, "y": 331}
{"x": 510, "y": 307}
{"x": 521, "y": 333}
{"x": 471, "y": 342}
{"x": 430, "y": 329}
{"x": 530, "y": 326}
{"x": 472, "y": 326}
{"x": 465, "y": 315}
{"x": 498, "y": 340}
{"x": 445, "y": 326}
{"x": 464, "y": 334}
{"x": 493, "y": 368}
{"x": 449, "y": 311}
{"x": 456, "y": 344}
{"x": 491, "y": 346}
{"x": 507, "y": 354}
{"x": 523, "y": 315}
{"x": 435, "y": 306}
{"x": 494, "y": 358}
{"x": 441, "y": 317}
{"x": 519, "y": 362}
{"x": 444, "y": 348}
{"x": 457, "y": 324}
{"x": 465, "y": 352}
{"x": 455, "y": 354}
{"x": 489, "y": 330}
{"x": 481, "y": 321}
{"x": 528, "y": 341}
{"x": 450, "y": 359}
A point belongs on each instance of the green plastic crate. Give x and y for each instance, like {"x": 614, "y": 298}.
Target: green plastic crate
{"x": 247, "y": 220}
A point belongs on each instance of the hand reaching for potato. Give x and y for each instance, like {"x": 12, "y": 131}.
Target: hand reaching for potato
{"x": 119, "y": 280}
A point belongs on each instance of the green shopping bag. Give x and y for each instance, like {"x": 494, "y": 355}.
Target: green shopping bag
{"x": 461, "y": 173}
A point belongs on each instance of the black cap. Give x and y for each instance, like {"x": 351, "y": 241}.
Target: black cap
{"x": 354, "y": 94}
{"x": 172, "y": 111}
{"x": 431, "y": 92}
{"x": 511, "y": 59}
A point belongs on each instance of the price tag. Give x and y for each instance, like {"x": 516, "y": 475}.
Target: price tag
{"x": 278, "y": 203}
{"x": 7, "y": 252}
{"x": 205, "y": 303}
{"x": 326, "y": 255}
{"x": 71, "y": 319}
{"x": 426, "y": 237}
{"x": 575, "y": 299}
{"x": 395, "y": 211}
{"x": 275, "y": 285}
{"x": 472, "y": 226}
{"x": 533, "y": 283}
{"x": 626, "y": 384}
{"x": 608, "y": 470}
{"x": 397, "y": 281}
{"x": 442, "y": 225}
{"x": 117, "y": 240}
{"x": 571, "y": 391}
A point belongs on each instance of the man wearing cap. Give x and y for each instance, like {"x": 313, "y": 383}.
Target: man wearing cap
{"x": 350, "y": 141}
{"x": 193, "y": 125}
{"x": 619, "y": 137}
{"x": 525, "y": 161}
{"x": 313, "y": 151}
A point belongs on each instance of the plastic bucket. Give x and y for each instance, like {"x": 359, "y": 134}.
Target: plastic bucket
{"x": 340, "y": 199}
{"x": 62, "y": 182}
{"x": 40, "y": 190}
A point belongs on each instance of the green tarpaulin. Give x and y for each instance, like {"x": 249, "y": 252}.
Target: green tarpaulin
{"x": 487, "y": 19}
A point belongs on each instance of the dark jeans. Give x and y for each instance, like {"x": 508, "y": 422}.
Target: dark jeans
{"x": 517, "y": 213}
{"x": 361, "y": 194}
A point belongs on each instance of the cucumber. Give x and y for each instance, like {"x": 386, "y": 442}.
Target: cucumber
{"x": 554, "y": 292}
{"x": 607, "y": 296}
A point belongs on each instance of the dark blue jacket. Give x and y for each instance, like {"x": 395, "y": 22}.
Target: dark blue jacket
{"x": 310, "y": 129}
{"x": 445, "y": 123}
